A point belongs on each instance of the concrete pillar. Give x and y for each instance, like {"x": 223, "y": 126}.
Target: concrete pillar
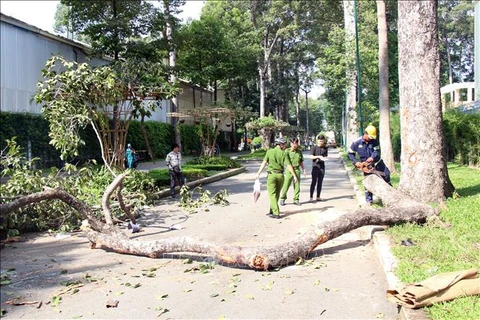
{"x": 477, "y": 50}
{"x": 457, "y": 99}
{"x": 469, "y": 94}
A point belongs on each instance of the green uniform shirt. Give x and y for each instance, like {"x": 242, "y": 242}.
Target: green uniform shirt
{"x": 296, "y": 157}
{"x": 276, "y": 158}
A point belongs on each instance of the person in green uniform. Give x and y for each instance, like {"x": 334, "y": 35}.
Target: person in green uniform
{"x": 276, "y": 158}
{"x": 296, "y": 159}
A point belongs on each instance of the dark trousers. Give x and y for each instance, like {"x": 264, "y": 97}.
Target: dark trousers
{"x": 175, "y": 176}
{"x": 317, "y": 180}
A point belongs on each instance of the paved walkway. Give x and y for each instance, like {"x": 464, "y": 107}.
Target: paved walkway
{"x": 342, "y": 279}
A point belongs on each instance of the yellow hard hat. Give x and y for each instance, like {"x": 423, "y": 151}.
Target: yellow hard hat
{"x": 371, "y": 131}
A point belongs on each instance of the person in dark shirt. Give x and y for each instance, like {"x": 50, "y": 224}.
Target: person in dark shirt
{"x": 368, "y": 152}
{"x": 318, "y": 154}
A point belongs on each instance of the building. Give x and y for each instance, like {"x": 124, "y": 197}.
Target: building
{"x": 26, "y": 48}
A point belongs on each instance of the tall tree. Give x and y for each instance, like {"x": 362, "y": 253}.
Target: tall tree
{"x": 456, "y": 28}
{"x": 424, "y": 170}
{"x": 351, "y": 114}
{"x": 170, "y": 8}
{"x": 233, "y": 61}
{"x": 109, "y": 24}
{"x": 384, "y": 96}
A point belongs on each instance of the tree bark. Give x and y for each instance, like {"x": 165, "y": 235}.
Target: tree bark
{"x": 172, "y": 58}
{"x": 384, "y": 98}
{"x": 351, "y": 114}
{"x": 424, "y": 169}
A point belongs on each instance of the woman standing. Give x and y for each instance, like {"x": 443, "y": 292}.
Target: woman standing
{"x": 318, "y": 154}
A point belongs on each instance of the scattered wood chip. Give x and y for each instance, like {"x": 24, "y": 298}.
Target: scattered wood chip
{"x": 73, "y": 288}
{"x": 21, "y": 302}
{"x": 112, "y": 303}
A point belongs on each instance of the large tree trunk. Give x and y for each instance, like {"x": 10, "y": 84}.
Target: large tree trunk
{"x": 424, "y": 171}
{"x": 399, "y": 209}
{"x": 351, "y": 127}
{"x": 384, "y": 99}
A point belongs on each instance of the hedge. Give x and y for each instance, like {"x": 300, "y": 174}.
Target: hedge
{"x": 34, "y": 128}
{"x": 462, "y": 137}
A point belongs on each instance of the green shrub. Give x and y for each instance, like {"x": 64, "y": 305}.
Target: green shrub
{"x": 255, "y": 155}
{"x": 396, "y": 136}
{"x": 34, "y": 128}
{"x": 86, "y": 184}
{"x": 462, "y": 137}
{"x": 190, "y": 139}
{"x": 161, "y": 177}
{"x": 222, "y": 160}
{"x": 160, "y": 137}
{"x": 208, "y": 167}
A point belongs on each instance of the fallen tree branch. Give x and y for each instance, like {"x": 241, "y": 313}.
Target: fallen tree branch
{"x": 106, "y": 198}
{"x": 124, "y": 207}
{"x": 260, "y": 258}
{"x": 399, "y": 208}
{"x": 403, "y": 210}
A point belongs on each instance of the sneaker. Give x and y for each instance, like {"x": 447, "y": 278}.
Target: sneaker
{"x": 297, "y": 203}
{"x": 319, "y": 199}
{"x": 311, "y": 200}
{"x": 282, "y": 202}
{"x": 274, "y": 216}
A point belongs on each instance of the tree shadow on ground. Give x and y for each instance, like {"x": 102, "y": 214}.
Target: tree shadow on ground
{"x": 469, "y": 191}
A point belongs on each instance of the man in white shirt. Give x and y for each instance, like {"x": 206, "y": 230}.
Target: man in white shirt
{"x": 174, "y": 165}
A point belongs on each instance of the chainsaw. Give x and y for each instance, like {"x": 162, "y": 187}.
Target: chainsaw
{"x": 368, "y": 168}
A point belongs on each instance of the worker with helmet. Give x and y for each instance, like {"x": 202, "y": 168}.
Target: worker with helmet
{"x": 276, "y": 158}
{"x": 368, "y": 151}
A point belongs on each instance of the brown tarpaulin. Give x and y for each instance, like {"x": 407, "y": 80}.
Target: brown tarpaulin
{"x": 439, "y": 288}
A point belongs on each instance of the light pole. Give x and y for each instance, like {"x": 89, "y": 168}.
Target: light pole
{"x": 359, "y": 76}
{"x": 477, "y": 50}
{"x": 306, "y": 90}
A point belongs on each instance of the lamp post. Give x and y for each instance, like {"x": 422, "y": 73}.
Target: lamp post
{"x": 306, "y": 90}
{"x": 477, "y": 50}
{"x": 359, "y": 76}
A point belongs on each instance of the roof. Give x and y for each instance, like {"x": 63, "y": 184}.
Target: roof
{"x": 18, "y": 23}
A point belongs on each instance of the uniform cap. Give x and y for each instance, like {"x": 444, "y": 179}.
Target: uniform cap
{"x": 279, "y": 141}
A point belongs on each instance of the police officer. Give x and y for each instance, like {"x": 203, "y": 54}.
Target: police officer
{"x": 296, "y": 159}
{"x": 369, "y": 154}
{"x": 276, "y": 159}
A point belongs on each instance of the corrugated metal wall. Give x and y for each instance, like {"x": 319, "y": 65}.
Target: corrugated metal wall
{"x": 23, "y": 56}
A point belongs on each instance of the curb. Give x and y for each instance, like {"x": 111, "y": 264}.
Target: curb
{"x": 382, "y": 243}
{"x": 206, "y": 180}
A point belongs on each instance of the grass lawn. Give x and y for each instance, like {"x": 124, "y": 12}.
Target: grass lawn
{"x": 439, "y": 249}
